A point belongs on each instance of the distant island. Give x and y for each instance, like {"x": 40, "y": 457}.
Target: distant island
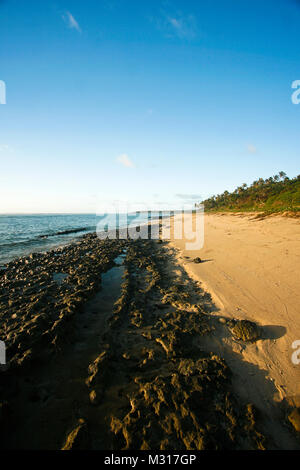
{"x": 278, "y": 193}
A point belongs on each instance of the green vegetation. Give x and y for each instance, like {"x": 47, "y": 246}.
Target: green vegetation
{"x": 275, "y": 194}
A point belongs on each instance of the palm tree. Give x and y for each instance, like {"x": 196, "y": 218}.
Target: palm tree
{"x": 282, "y": 175}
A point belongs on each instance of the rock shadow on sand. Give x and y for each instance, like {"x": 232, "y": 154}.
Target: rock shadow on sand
{"x": 272, "y": 332}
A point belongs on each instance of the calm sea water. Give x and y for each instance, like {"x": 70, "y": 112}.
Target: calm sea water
{"x": 21, "y": 235}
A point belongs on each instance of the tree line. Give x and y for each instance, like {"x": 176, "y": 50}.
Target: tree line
{"x": 278, "y": 192}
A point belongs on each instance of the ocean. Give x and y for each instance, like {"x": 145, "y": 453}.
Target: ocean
{"x": 21, "y": 235}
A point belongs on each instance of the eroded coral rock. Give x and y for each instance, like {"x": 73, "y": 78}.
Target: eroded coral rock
{"x": 245, "y": 330}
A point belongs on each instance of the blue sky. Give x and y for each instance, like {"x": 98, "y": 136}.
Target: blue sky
{"x": 144, "y": 101}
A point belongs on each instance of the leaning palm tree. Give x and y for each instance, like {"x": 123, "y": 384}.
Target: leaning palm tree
{"x": 282, "y": 174}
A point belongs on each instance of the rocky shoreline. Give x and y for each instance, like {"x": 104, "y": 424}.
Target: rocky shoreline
{"x": 35, "y": 305}
{"x": 113, "y": 367}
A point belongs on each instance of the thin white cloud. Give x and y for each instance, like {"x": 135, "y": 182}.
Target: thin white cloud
{"x": 125, "y": 160}
{"x": 184, "y": 26}
{"x": 177, "y": 25}
{"x": 71, "y": 22}
{"x": 5, "y": 148}
{"x": 251, "y": 148}
{"x": 189, "y": 196}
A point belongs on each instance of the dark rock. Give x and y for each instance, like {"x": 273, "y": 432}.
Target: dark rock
{"x": 245, "y": 330}
{"x": 77, "y": 439}
{"x": 294, "y": 419}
